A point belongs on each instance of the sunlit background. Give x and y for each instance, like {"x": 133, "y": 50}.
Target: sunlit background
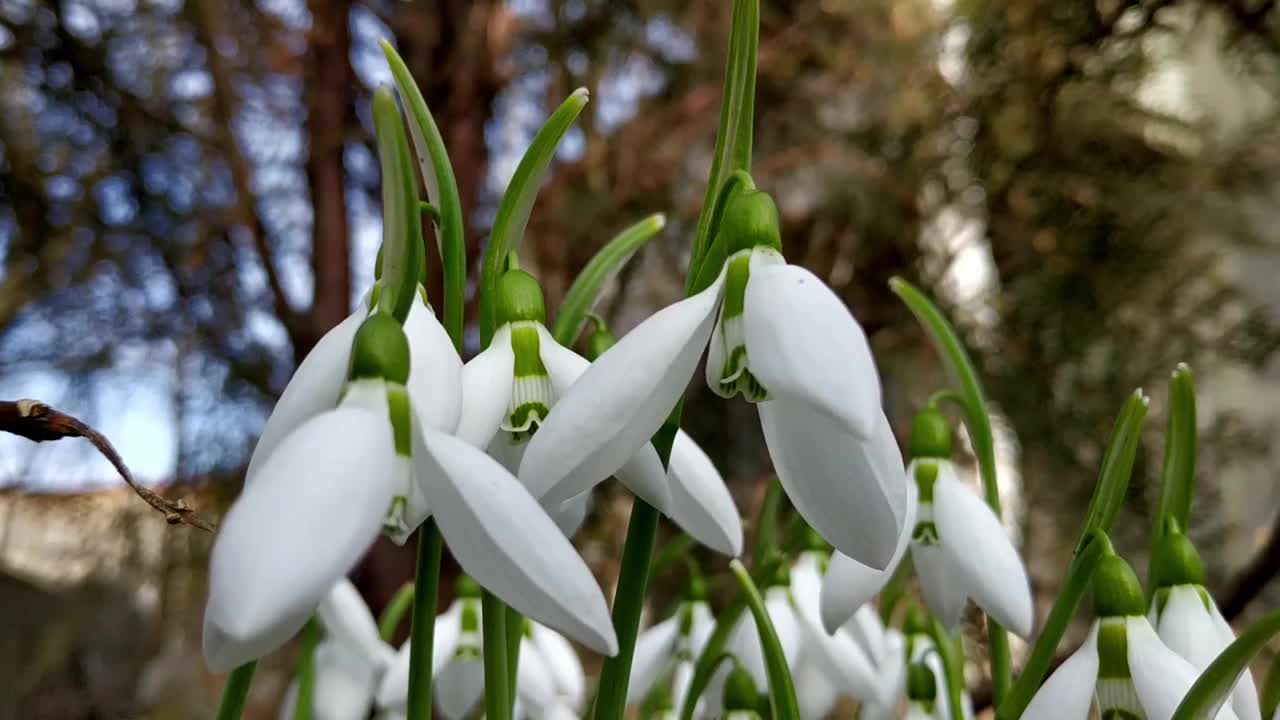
{"x": 189, "y": 198}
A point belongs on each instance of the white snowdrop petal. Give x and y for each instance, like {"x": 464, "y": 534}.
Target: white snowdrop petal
{"x": 701, "y": 504}
{"x": 655, "y": 649}
{"x": 563, "y": 663}
{"x": 503, "y": 538}
{"x": 977, "y": 545}
{"x": 347, "y": 622}
{"x": 435, "y": 370}
{"x": 944, "y": 588}
{"x": 850, "y": 585}
{"x": 1068, "y": 692}
{"x": 1160, "y": 676}
{"x": 617, "y": 405}
{"x": 313, "y": 389}
{"x": 805, "y": 346}
{"x": 487, "y": 380}
{"x": 288, "y": 539}
{"x": 836, "y": 481}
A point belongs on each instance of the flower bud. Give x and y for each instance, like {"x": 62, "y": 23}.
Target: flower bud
{"x": 930, "y": 434}
{"x": 380, "y": 350}
{"x": 1116, "y": 590}
{"x": 598, "y": 342}
{"x": 914, "y": 622}
{"x": 519, "y": 298}
{"x": 750, "y": 220}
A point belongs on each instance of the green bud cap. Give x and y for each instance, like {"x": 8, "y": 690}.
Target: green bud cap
{"x": 1116, "y": 590}
{"x": 751, "y": 220}
{"x": 740, "y": 691}
{"x": 781, "y": 576}
{"x": 930, "y": 434}
{"x": 598, "y": 342}
{"x": 466, "y": 587}
{"x": 914, "y": 622}
{"x": 1175, "y": 561}
{"x": 380, "y": 350}
{"x": 519, "y": 298}
{"x": 921, "y": 685}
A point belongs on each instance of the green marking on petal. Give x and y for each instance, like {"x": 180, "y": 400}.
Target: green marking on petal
{"x": 926, "y": 474}
{"x": 394, "y": 523}
{"x": 925, "y": 533}
{"x": 532, "y": 394}
{"x": 735, "y": 375}
{"x": 527, "y": 347}
{"x": 401, "y": 412}
{"x": 1113, "y": 649}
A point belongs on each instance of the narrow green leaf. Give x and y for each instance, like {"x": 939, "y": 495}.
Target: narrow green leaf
{"x": 422, "y": 626}
{"x": 1117, "y": 466}
{"x": 713, "y": 649}
{"x": 306, "y": 674}
{"x": 767, "y": 520}
{"x": 737, "y": 116}
{"x": 584, "y": 291}
{"x": 236, "y": 692}
{"x": 402, "y": 253}
{"x": 965, "y": 378}
{"x": 395, "y": 611}
{"x": 1214, "y": 687}
{"x": 1179, "y": 479}
{"x": 493, "y": 622}
{"x": 1079, "y": 574}
{"x": 517, "y": 203}
{"x": 952, "y": 665}
{"x": 782, "y": 691}
{"x": 442, "y": 191}
{"x": 1271, "y": 690}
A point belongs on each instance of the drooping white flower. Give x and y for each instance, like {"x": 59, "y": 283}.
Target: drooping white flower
{"x": 1122, "y": 666}
{"x": 549, "y": 677}
{"x": 886, "y": 647}
{"x": 510, "y": 390}
{"x": 1187, "y": 619}
{"x": 318, "y": 500}
{"x": 349, "y": 662}
{"x": 778, "y": 335}
{"x": 835, "y": 663}
{"x": 665, "y": 652}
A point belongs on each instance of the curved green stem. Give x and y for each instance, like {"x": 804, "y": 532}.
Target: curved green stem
{"x": 395, "y": 611}
{"x": 782, "y": 691}
{"x": 422, "y": 629}
{"x": 307, "y": 671}
{"x": 236, "y": 692}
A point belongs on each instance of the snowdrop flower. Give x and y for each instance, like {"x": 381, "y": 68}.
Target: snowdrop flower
{"x": 833, "y": 665}
{"x": 744, "y": 643}
{"x": 549, "y": 678}
{"x": 665, "y": 653}
{"x": 780, "y": 337}
{"x": 959, "y": 547}
{"x": 1122, "y": 666}
{"x": 510, "y": 390}
{"x": 1186, "y": 617}
{"x": 318, "y": 500}
{"x": 350, "y": 661}
{"x": 886, "y": 647}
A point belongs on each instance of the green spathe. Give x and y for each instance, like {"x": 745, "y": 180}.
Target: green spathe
{"x": 380, "y": 350}
{"x": 519, "y": 298}
{"x": 930, "y": 434}
{"x": 750, "y": 221}
{"x": 1116, "y": 590}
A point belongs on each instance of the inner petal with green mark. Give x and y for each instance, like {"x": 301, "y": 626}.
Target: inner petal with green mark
{"x": 532, "y": 394}
{"x": 396, "y": 523}
{"x": 469, "y": 642}
{"x": 925, "y": 531}
{"x": 1115, "y": 694}
{"x": 735, "y": 373}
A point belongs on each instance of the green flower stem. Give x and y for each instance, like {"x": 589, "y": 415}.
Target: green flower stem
{"x": 767, "y": 520}
{"x": 236, "y": 692}
{"x": 713, "y": 650}
{"x": 948, "y": 648}
{"x": 493, "y": 618}
{"x": 782, "y": 691}
{"x": 307, "y": 671}
{"x": 515, "y": 633}
{"x": 969, "y": 391}
{"x": 400, "y": 604}
{"x": 422, "y": 629}
{"x": 1178, "y": 483}
{"x": 628, "y": 603}
{"x": 1212, "y": 690}
{"x": 1079, "y": 575}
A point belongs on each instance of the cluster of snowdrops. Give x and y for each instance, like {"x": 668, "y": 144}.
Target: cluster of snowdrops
{"x": 383, "y": 429}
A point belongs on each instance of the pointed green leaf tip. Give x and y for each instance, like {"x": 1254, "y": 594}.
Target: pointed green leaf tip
{"x": 380, "y": 350}
{"x": 520, "y": 298}
{"x": 402, "y": 253}
{"x": 930, "y": 435}
{"x": 751, "y": 220}
{"x": 740, "y": 690}
{"x": 1174, "y": 559}
{"x": 1116, "y": 590}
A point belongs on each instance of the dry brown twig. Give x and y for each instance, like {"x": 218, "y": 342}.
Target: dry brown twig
{"x": 36, "y": 421}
